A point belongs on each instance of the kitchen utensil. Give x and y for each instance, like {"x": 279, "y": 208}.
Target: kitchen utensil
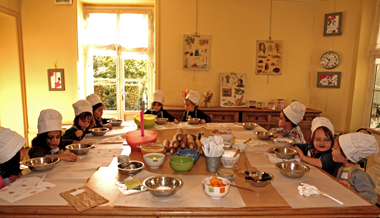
{"x": 161, "y": 121}
{"x": 98, "y": 131}
{"x": 249, "y": 126}
{"x": 154, "y": 160}
{"x": 134, "y": 138}
{"x": 281, "y": 142}
{"x": 216, "y": 192}
{"x": 263, "y": 135}
{"x": 292, "y": 169}
{"x": 163, "y": 186}
{"x": 130, "y": 167}
{"x": 41, "y": 163}
{"x": 181, "y": 163}
{"x": 115, "y": 122}
{"x": 285, "y": 153}
{"x": 79, "y": 148}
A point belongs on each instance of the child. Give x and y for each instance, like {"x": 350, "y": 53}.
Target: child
{"x": 49, "y": 141}
{"x": 191, "y": 105}
{"x": 97, "y": 110}
{"x": 348, "y": 150}
{"x": 289, "y": 118}
{"x": 157, "y": 107}
{"x": 318, "y": 152}
{"x": 83, "y": 121}
{"x": 11, "y": 153}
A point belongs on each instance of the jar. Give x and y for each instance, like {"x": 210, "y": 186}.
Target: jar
{"x": 280, "y": 103}
{"x": 260, "y": 105}
{"x": 252, "y": 104}
{"x": 227, "y": 174}
{"x": 271, "y": 105}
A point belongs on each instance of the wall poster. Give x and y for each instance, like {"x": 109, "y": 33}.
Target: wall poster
{"x": 232, "y": 89}
{"x": 196, "y": 52}
{"x": 268, "y": 57}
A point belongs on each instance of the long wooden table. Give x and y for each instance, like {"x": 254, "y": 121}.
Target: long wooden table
{"x": 275, "y": 206}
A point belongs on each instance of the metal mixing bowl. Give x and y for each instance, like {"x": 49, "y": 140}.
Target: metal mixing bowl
{"x": 292, "y": 169}
{"x": 163, "y": 186}
{"x": 161, "y": 121}
{"x": 263, "y": 135}
{"x": 41, "y": 163}
{"x": 130, "y": 167}
{"x": 285, "y": 153}
{"x": 98, "y": 131}
{"x": 115, "y": 122}
{"x": 249, "y": 126}
{"x": 193, "y": 120}
{"x": 79, "y": 148}
{"x": 266, "y": 178}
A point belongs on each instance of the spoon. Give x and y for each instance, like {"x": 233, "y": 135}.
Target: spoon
{"x": 232, "y": 142}
{"x": 247, "y": 140}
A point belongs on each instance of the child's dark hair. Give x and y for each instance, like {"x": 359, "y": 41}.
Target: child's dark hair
{"x": 83, "y": 116}
{"x": 159, "y": 104}
{"x": 344, "y": 155}
{"x": 94, "y": 107}
{"x": 196, "y": 106}
{"x": 287, "y": 120}
{"x": 327, "y": 132}
{"x": 40, "y": 141}
{"x": 11, "y": 167}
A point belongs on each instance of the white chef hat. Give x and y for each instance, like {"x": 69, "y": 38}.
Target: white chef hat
{"x": 49, "y": 120}
{"x": 158, "y": 96}
{"x": 321, "y": 121}
{"x": 82, "y": 106}
{"x": 193, "y": 96}
{"x": 357, "y": 146}
{"x": 10, "y": 143}
{"x": 295, "y": 111}
{"x": 94, "y": 99}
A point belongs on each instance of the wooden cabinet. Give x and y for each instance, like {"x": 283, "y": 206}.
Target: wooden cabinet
{"x": 264, "y": 117}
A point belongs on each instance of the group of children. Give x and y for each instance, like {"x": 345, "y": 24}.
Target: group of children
{"x": 328, "y": 154}
{"x": 322, "y": 151}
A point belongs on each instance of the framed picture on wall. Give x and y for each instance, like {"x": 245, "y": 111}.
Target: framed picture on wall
{"x": 333, "y": 24}
{"x": 328, "y": 80}
{"x": 56, "y": 78}
{"x": 69, "y": 2}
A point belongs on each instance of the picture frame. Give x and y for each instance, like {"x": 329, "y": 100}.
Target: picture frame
{"x": 233, "y": 89}
{"x": 56, "y": 78}
{"x": 333, "y": 24}
{"x": 62, "y": 2}
{"x": 196, "y": 52}
{"x": 328, "y": 79}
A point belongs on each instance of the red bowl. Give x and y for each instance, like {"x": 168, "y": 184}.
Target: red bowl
{"x": 134, "y": 138}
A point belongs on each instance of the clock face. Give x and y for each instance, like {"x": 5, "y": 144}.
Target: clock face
{"x": 329, "y": 60}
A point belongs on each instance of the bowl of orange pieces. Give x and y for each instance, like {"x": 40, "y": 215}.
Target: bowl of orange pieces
{"x": 216, "y": 187}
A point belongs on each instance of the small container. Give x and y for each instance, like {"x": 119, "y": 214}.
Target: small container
{"x": 122, "y": 158}
{"x": 280, "y": 103}
{"x": 260, "y": 105}
{"x": 226, "y": 173}
{"x": 271, "y": 105}
{"x": 252, "y": 104}
{"x": 212, "y": 164}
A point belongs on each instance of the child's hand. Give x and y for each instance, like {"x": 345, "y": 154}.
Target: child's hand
{"x": 68, "y": 157}
{"x": 203, "y": 121}
{"x": 74, "y": 142}
{"x": 79, "y": 133}
{"x": 176, "y": 121}
{"x": 299, "y": 152}
{"x": 107, "y": 126}
{"x": 345, "y": 183}
{"x": 276, "y": 135}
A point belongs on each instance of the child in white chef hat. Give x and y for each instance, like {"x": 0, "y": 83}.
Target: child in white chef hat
{"x": 348, "y": 150}
{"x": 83, "y": 121}
{"x": 48, "y": 141}
{"x": 318, "y": 152}
{"x": 97, "y": 110}
{"x": 191, "y": 106}
{"x": 11, "y": 153}
{"x": 287, "y": 122}
{"x": 157, "y": 107}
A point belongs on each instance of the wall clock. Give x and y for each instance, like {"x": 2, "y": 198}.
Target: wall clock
{"x": 329, "y": 60}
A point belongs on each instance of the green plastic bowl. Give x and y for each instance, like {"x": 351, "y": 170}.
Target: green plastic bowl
{"x": 149, "y": 120}
{"x": 181, "y": 163}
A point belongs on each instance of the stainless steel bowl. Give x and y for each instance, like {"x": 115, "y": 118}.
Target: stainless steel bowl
{"x": 41, "y": 163}
{"x": 98, "y": 131}
{"x": 263, "y": 135}
{"x": 266, "y": 178}
{"x": 292, "y": 169}
{"x": 161, "y": 121}
{"x": 163, "y": 186}
{"x": 115, "y": 122}
{"x": 130, "y": 167}
{"x": 193, "y": 121}
{"x": 284, "y": 153}
{"x": 249, "y": 126}
{"x": 79, "y": 148}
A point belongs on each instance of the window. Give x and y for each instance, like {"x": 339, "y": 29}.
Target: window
{"x": 375, "y": 108}
{"x": 119, "y": 57}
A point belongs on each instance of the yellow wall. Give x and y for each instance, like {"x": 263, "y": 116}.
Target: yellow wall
{"x": 14, "y": 5}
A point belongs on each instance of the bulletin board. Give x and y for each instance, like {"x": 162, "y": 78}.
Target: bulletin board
{"x": 232, "y": 89}
{"x": 269, "y": 57}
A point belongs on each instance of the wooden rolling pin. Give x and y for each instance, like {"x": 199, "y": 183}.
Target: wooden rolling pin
{"x": 179, "y": 135}
{"x": 190, "y": 141}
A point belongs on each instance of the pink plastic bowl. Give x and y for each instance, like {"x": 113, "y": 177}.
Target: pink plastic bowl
{"x": 134, "y": 138}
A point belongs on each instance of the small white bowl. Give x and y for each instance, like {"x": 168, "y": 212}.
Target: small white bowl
{"x": 240, "y": 145}
{"x": 226, "y": 137}
{"x": 281, "y": 142}
{"x": 216, "y": 192}
{"x": 228, "y": 160}
{"x": 154, "y": 162}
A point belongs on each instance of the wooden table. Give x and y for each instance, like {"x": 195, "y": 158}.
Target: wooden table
{"x": 262, "y": 202}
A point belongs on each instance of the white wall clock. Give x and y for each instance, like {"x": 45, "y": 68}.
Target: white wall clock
{"x": 329, "y": 60}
